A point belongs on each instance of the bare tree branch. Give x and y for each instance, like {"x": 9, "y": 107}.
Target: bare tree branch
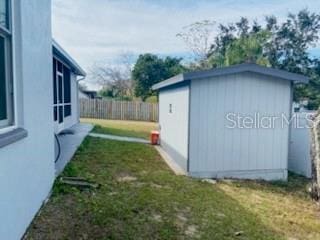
{"x": 199, "y": 37}
{"x": 116, "y": 76}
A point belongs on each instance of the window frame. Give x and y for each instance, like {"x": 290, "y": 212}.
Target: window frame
{"x": 61, "y": 104}
{"x": 8, "y": 15}
{"x": 6, "y": 34}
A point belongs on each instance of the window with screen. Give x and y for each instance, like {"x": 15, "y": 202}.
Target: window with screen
{"x": 3, "y": 82}
{"x": 60, "y": 88}
{"x": 4, "y": 14}
{"x": 61, "y": 91}
{"x": 55, "y": 113}
{"x": 60, "y": 114}
{"x": 54, "y": 82}
{"x": 6, "y": 84}
{"x": 67, "y": 85}
{"x": 67, "y": 91}
{"x": 67, "y": 110}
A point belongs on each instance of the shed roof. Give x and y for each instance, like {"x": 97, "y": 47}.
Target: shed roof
{"x": 60, "y": 52}
{"x": 245, "y": 67}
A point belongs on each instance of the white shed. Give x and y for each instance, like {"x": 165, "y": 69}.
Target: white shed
{"x": 228, "y": 122}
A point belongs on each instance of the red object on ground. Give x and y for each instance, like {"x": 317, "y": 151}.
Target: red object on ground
{"x": 155, "y": 137}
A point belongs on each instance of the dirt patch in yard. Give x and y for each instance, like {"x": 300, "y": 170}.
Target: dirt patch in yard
{"x": 154, "y": 185}
{"x": 192, "y": 231}
{"x": 182, "y": 219}
{"x": 125, "y": 177}
{"x": 157, "y": 217}
{"x": 66, "y": 222}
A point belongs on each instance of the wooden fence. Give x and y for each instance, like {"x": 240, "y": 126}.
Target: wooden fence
{"x": 118, "y": 110}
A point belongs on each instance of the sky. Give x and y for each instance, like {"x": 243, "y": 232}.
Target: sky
{"x": 96, "y": 31}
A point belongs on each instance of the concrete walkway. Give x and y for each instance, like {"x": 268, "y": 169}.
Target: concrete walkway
{"x": 70, "y": 142}
{"x": 119, "y": 138}
{"x": 169, "y": 161}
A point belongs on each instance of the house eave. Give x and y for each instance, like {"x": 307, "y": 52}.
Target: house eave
{"x": 61, "y": 53}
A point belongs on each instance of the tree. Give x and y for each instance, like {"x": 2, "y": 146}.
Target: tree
{"x": 246, "y": 48}
{"x": 198, "y": 37}
{"x": 150, "y": 69}
{"x": 280, "y": 45}
{"x": 291, "y": 40}
{"x": 288, "y": 50}
{"x": 115, "y": 78}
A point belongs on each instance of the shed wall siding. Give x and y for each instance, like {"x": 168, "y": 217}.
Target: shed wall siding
{"x": 27, "y": 166}
{"x": 174, "y": 126}
{"x": 218, "y": 151}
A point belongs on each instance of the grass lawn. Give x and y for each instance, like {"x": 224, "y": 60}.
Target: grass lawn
{"x": 140, "y": 198}
{"x": 122, "y": 128}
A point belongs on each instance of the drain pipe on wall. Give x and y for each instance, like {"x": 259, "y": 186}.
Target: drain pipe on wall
{"x": 80, "y": 79}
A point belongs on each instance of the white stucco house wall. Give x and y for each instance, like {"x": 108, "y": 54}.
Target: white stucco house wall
{"x": 200, "y": 130}
{"x": 27, "y": 126}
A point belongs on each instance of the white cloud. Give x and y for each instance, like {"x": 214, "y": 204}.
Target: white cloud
{"x": 95, "y": 30}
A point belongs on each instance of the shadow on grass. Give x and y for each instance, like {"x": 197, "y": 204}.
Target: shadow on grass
{"x": 296, "y": 185}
